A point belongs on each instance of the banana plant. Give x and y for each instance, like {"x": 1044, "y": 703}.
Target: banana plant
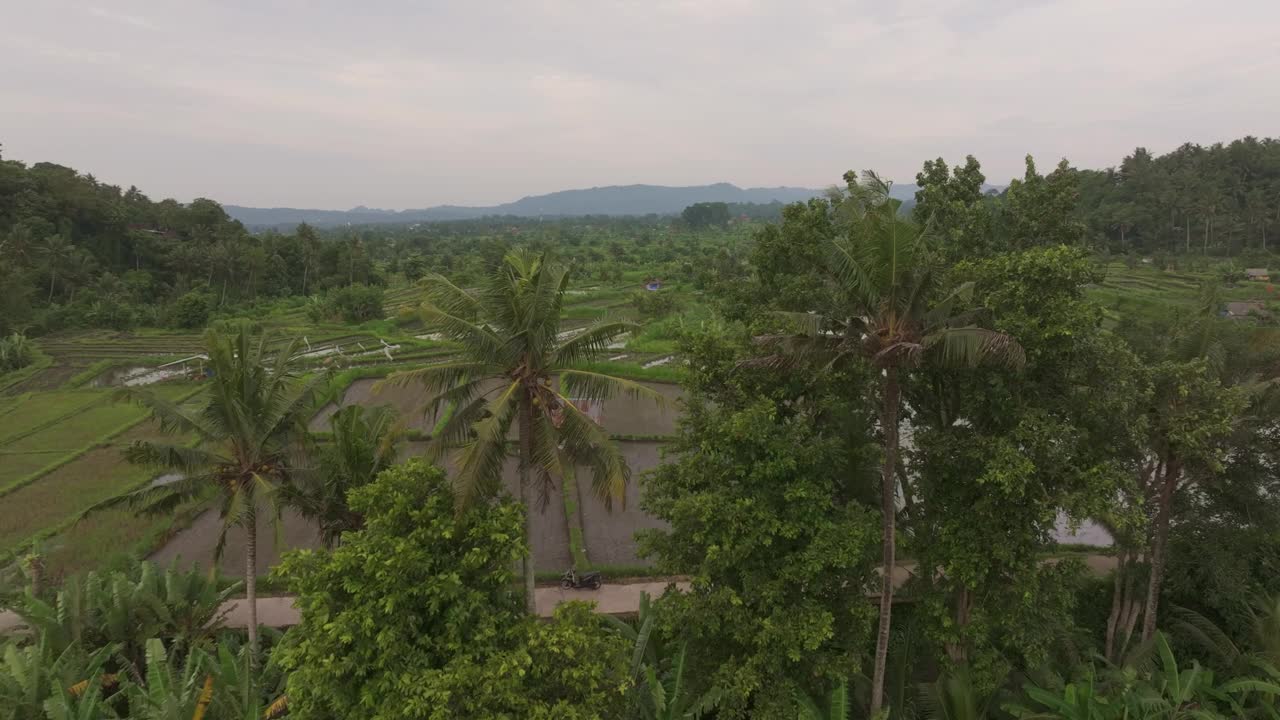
{"x": 36, "y": 673}
{"x": 668, "y": 695}
{"x": 170, "y": 690}
{"x": 954, "y": 696}
{"x": 836, "y": 705}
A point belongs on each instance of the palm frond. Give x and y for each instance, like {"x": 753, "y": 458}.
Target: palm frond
{"x": 857, "y": 269}
{"x": 585, "y": 442}
{"x": 172, "y": 417}
{"x": 596, "y": 386}
{"x": 972, "y": 346}
{"x": 182, "y": 458}
{"x": 442, "y": 377}
{"x": 478, "y": 341}
{"x": 457, "y": 429}
{"x": 943, "y": 311}
{"x": 591, "y": 342}
{"x": 481, "y": 460}
{"x": 158, "y": 499}
{"x": 443, "y": 294}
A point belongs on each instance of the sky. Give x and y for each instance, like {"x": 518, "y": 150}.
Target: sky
{"x": 413, "y": 103}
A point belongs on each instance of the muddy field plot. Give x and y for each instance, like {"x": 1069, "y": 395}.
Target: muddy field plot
{"x": 609, "y": 535}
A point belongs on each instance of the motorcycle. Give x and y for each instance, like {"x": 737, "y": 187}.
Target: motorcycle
{"x": 571, "y": 580}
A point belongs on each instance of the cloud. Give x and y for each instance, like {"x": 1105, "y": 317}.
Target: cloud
{"x": 401, "y": 103}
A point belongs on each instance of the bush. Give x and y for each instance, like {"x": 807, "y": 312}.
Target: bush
{"x": 192, "y": 310}
{"x": 15, "y": 352}
{"x": 653, "y": 304}
{"x": 417, "y": 616}
{"x": 353, "y": 303}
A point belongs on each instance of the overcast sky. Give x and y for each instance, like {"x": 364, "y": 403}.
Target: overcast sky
{"x": 413, "y": 103}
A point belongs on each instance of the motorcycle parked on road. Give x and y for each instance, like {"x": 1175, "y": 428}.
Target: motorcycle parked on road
{"x": 572, "y": 580}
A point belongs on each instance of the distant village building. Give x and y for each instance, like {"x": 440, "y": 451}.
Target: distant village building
{"x": 1241, "y": 310}
{"x": 1261, "y": 274}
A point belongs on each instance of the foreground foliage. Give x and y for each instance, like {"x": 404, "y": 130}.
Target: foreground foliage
{"x": 416, "y": 616}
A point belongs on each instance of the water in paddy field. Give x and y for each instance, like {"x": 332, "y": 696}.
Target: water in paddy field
{"x": 137, "y": 376}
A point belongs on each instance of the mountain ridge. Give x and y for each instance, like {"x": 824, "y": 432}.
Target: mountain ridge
{"x": 616, "y": 200}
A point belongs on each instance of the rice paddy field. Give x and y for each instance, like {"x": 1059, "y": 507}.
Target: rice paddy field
{"x": 61, "y": 453}
{"x": 63, "y": 432}
{"x": 1145, "y": 291}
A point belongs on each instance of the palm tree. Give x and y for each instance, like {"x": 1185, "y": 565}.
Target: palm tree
{"x": 247, "y": 434}
{"x": 55, "y": 252}
{"x": 886, "y": 278}
{"x": 512, "y": 348}
{"x": 364, "y": 444}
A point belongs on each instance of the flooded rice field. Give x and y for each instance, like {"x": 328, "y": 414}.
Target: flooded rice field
{"x": 607, "y": 534}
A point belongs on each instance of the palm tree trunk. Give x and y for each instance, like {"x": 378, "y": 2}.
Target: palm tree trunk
{"x": 526, "y": 459}
{"x": 1159, "y": 546}
{"x": 251, "y": 578}
{"x": 1117, "y": 604}
{"x": 51, "y": 278}
{"x": 888, "y": 506}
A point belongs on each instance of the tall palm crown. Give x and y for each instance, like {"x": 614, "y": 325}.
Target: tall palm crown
{"x": 512, "y": 352}
{"x": 247, "y": 431}
{"x": 364, "y": 444}
{"x": 888, "y": 309}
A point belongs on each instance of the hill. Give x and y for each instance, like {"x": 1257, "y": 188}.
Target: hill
{"x": 611, "y": 200}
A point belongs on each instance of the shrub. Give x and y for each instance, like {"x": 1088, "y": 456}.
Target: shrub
{"x": 416, "y": 616}
{"x": 353, "y": 303}
{"x": 192, "y": 310}
{"x": 15, "y": 352}
{"x": 653, "y": 304}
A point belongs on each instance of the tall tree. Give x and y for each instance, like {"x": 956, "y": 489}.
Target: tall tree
{"x": 247, "y": 434}
{"x": 892, "y": 313}
{"x": 954, "y": 205}
{"x": 364, "y": 444}
{"x": 512, "y": 352}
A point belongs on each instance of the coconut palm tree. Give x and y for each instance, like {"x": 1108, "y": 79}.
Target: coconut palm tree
{"x": 364, "y": 444}
{"x": 247, "y": 437}
{"x": 887, "y": 312}
{"x": 55, "y": 254}
{"x": 512, "y": 349}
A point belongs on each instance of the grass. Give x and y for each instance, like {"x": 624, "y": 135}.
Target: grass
{"x": 74, "y": 431}
{"x": 100, "y": 474}
{"x": 33, "y": 411}
{"x": 51, "y": 476}
{"x": 112, "y": 539}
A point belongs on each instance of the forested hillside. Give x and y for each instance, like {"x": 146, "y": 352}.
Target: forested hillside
{"x": 1220, "y": 198}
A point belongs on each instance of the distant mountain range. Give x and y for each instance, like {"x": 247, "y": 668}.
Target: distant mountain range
{"x": 611, "y": 200}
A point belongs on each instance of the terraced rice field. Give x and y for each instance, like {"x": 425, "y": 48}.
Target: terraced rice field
{"x": 1146, "y": 292}
{"x": 60, "y": 453}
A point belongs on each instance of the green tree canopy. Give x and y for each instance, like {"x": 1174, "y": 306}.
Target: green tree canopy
{"x": 416, "y": 616}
